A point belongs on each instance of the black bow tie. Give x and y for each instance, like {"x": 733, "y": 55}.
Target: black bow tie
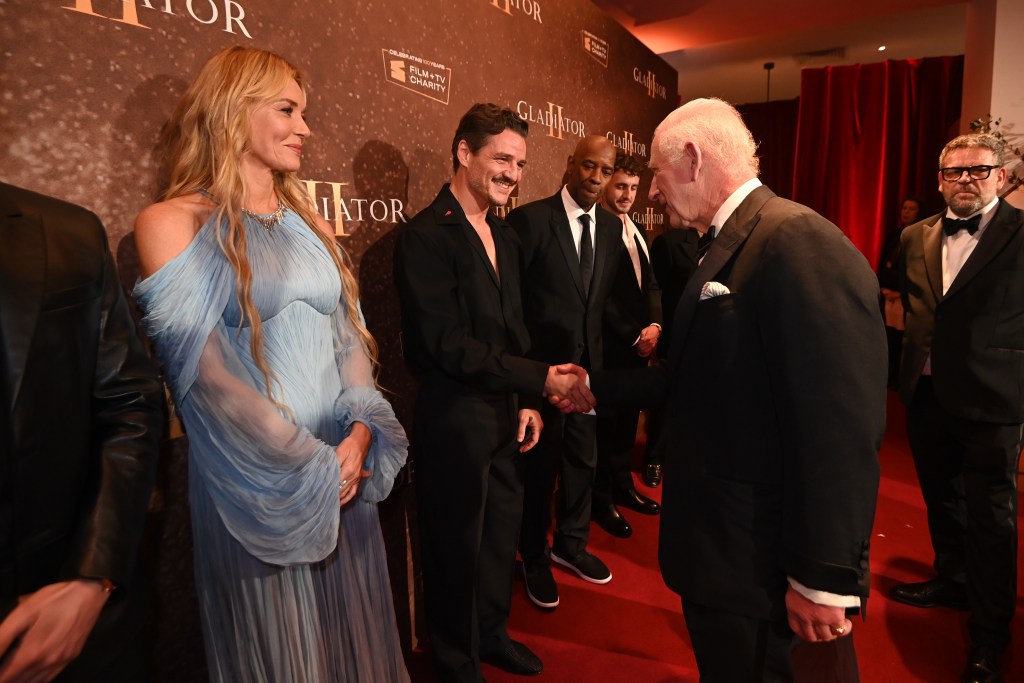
{"x": 952, "y": 226}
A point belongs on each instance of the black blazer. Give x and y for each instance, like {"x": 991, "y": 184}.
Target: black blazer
{"x": 975, "y": 333}
{"x": 565, "y": 325}
{"x": 82, "y": 400}
{"x": 462, "y": 323}
{"x": 776, "y": 413}
{"x": 673, "y": 260}
{"x": 631, "y": 308}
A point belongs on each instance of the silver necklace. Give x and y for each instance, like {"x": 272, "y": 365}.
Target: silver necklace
{"x": 267, "y": 220}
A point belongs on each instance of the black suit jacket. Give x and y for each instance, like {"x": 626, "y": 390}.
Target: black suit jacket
{"x": 776, "y": 413}
{"x": 632, "y": 306}
{"x": 462, "y": 323}
{"x": 565, "y": 324}
{"x": 975, "y": 333}
{"x": 673, "y": 260}
{"x": 82, "y": 400}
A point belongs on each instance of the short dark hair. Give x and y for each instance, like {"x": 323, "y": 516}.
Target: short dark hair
{"x": 482, "y": 122}
{"x": 628, "y": 164}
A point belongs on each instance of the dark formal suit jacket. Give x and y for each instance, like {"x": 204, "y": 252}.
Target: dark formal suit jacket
{"x": 462, "y": 323}
{"x": 776, "y": 413}
{"x": 631, "y": 308}
{"x": 673, "y": 260}
{"x": 564, "y": 323}
{"x": 975, "y": 333}
{"x": 82, "y": 402}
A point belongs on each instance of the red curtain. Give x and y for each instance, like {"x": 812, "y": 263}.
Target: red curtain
{"x": 869, "y": 135}
{"x": 773, "y": 125}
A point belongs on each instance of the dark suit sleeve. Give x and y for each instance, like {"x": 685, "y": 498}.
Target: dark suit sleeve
{"x": 434, "y": 323}
{"x": 825, "y": 346}
{"x": 635, "y": 388}
{"x": 127, "y": 426}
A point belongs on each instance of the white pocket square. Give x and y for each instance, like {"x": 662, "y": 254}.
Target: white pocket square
{"x": 713, "y": 289}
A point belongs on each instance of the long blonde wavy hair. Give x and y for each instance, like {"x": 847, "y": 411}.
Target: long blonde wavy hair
{"x": 205, "y": 140}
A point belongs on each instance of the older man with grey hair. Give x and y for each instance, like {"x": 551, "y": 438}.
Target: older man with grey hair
{"x": 776, "y": 409}
{"x": 962, "y": 381}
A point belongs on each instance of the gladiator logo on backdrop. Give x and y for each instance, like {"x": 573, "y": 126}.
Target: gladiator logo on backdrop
{"x": 335, "y": 208}
{"x": 654, "y": 89}
{"x": 208, "y": 12}
{"x": 627, "y": 143}
{"x": 530, "y": 8}
{"x": 649, "y": 218}
{"x": 595, "y": 47}
{"x": 552, "y": 117}
{"x": 422, "y": 76}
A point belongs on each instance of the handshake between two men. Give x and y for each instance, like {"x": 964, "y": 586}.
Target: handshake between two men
{"x": 566, "y": 388}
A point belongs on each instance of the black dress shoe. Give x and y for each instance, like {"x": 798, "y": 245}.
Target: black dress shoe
{"x": 938, "y": 592}
{"x": 609, "y": 519}
{"x": 652, "y": 474}
{"x": 982, "y": 666}
{"x": 514, "y": 658}
{"x": 634, "y": 501}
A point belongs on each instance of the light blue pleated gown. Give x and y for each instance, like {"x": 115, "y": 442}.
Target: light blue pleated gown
{"x": 292, "y": 588}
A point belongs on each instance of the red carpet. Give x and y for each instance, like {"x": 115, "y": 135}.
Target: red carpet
{"x": 631, "y": 630}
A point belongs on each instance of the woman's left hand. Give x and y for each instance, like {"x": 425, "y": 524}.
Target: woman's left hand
{"x": 351, "y": 454}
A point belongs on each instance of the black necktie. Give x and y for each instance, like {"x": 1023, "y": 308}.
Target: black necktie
{"x": 586, "y": 254}
{"x": 704, "y": 243}
{"x": 952, "y": 226}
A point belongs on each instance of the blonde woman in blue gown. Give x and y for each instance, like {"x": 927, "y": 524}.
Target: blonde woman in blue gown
{"x": 255, "y": 319}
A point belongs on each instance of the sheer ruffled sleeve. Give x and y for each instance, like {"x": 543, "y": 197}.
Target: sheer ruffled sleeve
{"x": 361, "y": 401}
{"x": 274, "y": 485}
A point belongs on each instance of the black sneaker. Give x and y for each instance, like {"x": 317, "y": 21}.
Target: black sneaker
{"x": 540, "y": 586}
{"x": 585, "y": 566}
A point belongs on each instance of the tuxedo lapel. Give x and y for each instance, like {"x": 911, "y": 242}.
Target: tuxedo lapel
{"x": 998, "y": 232}
{"x": 22, "y": 270}
{"x": 730, "y": 237}
{"x": 478, "y": 246}
{"x": 932, "y": 237}
{"x": 604, "y": 233}
{"x": 563, "y": 235}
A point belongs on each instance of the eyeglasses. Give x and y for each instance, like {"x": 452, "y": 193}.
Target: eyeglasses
{"x": 954, "y": 173}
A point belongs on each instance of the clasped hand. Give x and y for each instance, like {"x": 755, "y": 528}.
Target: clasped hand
{"x": 566, "y": 388}
{"x": 351, "y": 454}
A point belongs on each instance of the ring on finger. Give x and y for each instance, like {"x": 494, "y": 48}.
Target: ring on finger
{"x": 837, "y": 630}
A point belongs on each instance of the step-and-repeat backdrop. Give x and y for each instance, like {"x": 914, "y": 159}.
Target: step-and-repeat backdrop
{"x": 85, "y": 86}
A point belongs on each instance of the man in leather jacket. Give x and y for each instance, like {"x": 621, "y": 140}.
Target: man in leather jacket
{"x": 80, "y": 422}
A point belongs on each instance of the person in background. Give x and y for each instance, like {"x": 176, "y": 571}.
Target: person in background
{"x": 889, "y": 282}
{"x": 962, "y": 381}
{"x": 571, "y": 250}
{"x": 80, "y": 422}
{"x": 463, "y": 334}
{"x": 673, "y": 260}
{"x": 255, "y": 317}
{"x": 632, "y": 326}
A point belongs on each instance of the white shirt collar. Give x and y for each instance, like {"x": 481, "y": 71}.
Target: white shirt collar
{"x": 734, "y": 200}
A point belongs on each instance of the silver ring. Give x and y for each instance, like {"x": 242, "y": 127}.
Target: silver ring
{"x": 343, "y": 483}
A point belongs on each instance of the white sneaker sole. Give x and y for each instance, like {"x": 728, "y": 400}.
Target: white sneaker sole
{"x": 568, "y": 565}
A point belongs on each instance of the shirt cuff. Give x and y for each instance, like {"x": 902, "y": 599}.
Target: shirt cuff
{"x": 592, "y": 411}
{"x": 824, "y": 597}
